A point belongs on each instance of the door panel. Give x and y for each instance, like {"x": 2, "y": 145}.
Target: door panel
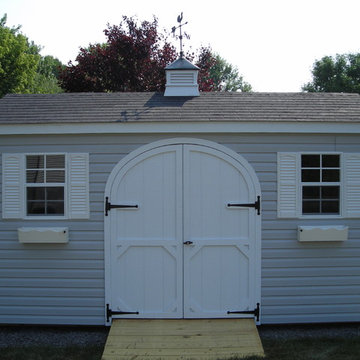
{"x": 216, "y": 280}
{"x": 217, "y": 265}
{"x": 146, "y": 249}
{"x": 147, "y": 278}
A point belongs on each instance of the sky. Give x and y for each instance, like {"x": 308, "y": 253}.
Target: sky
{"x": 273, "y": 43}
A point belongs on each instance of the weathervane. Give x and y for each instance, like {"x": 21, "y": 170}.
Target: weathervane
{"x": 179, "y": 20}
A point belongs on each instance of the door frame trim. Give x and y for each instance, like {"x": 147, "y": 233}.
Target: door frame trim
{"x": 179, "y": 141}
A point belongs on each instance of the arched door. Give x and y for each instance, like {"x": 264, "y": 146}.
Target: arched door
{"x": 184, "y": 239}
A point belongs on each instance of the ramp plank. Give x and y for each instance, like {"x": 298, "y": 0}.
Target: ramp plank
{"x": 182, "y": 339}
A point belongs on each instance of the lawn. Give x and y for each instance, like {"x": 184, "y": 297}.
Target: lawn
{"x": 313, "y": 349}
{"x": 280, "y": 349}
{"x": 52, "y": 353}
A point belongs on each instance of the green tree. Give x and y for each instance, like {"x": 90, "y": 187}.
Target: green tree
{"x": 46, "y": 77}
{"x": 226, "y": 76}
{"x": 335, "y": 74}
{"x": 22, "y": 69}
{"x": 18, "y": 60}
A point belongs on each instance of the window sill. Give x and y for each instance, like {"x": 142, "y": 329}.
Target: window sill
{"x": 42, "y": 218}
{"x": 319, "y": 217}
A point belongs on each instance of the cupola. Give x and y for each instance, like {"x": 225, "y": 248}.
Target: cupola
{"x": 182, "y": 78}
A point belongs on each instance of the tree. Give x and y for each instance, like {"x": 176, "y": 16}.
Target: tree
{"x": 46, "y": 77}
{"x": 22, "y": 69}
{"x": 134, "y": 58}
{"x": 226, "y": 77}
{"x": 206, "y": 61}
{"x": 336, "y": 74}
{"x": 18, "y": 60}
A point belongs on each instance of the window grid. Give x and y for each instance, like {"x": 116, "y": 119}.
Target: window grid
{"x": 45, "y": 185}
{"x": 320, "y": 197}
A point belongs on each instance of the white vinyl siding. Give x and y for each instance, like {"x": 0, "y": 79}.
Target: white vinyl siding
{"x": 290, "y": 186}
{"x": 64, "y": 283}
{"x": 76, "y": 190}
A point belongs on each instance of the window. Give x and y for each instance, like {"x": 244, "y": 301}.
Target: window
{"x": 320, "y": 184}
{"x": 45, "y": 185}
{"x": 49, "y": 185}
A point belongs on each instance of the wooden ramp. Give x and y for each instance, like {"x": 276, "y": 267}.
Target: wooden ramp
{"x": 182, "y": 339}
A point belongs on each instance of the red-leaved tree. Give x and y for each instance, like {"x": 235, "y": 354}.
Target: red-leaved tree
{"x": 206, "y": 61}
{"x": 133, "y": 58}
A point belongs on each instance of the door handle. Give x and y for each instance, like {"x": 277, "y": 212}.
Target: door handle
{"x": 188, "y": 242}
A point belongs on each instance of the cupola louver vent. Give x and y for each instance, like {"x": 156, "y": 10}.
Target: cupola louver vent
{"x": 182, "y": 78}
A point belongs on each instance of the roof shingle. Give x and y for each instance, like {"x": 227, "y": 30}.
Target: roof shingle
{"x": 154, "y": 107}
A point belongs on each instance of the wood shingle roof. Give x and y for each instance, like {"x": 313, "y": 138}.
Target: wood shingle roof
{"x": 154, "y": 107}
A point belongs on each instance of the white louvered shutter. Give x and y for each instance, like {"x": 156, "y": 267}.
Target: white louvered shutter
{"x": 78, "y": 186}
{"x": 12, "y": 190}
{"x": 352, "y": 185}
{"x": 287, "y": 185}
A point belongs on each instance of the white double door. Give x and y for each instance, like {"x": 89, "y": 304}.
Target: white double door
{"x": 182, "y": 252}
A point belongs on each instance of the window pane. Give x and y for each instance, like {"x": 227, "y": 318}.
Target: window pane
{"x": 310, "y": 175}
{"x": 36, "y": 207}
{"x": 34, "y": 176}
{"x": 35, "y": 161}
{"x": 55, "y": 176}
{"x": 35, "y": 193}
{"x": 331, "y": 175}
{"x": 320, "y": 198}
{"x": 45, "y": 208}
{"x": 44, "y": 169}
{"x": 45, "y": 200}
{"x": 311, "y": 192}
{"x": 331, "y": 160}
{"x": 330, "y": 207}
{"x": 311, "y": 207}
{"x": 55, "y": 208}
{"x": 55, "y": 161}
{"x": 55, "y": 193}
{"x": 310, "y": 160}
{"x": 330, "y": 192}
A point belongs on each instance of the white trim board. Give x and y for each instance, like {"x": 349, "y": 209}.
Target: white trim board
{"x": 183, "y": 127}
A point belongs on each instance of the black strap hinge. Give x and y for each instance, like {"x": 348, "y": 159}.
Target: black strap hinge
{"x": 255, "y": 312}
{"x": 255, "y": 205}
{"x": 110, "y": 313}
{"x": 109, "y": 206}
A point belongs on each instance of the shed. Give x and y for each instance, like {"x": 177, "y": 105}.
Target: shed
{"x": 141, "y": 205}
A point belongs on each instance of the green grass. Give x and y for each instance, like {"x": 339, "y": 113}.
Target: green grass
{"x": 311, "y": 349}
{"x": 52, "y": 353}
{"x": 293, "y": 349}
